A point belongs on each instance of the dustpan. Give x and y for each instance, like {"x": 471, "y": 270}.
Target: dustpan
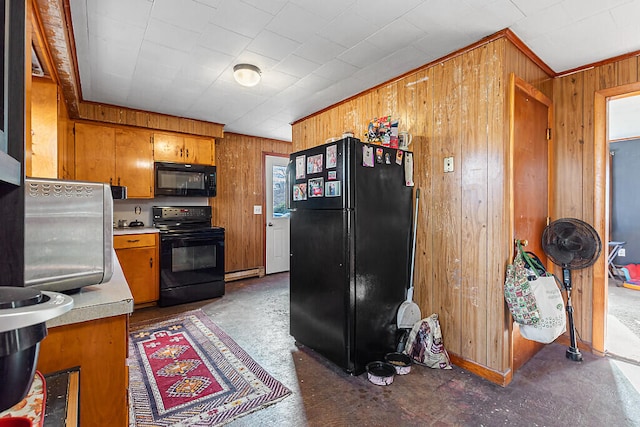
{"x": 409, "y": 312}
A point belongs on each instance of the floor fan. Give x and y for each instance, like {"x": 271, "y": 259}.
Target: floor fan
{"x": 571, "y": 244}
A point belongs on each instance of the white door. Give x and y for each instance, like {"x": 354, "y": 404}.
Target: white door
{"x": 276, "y": 215}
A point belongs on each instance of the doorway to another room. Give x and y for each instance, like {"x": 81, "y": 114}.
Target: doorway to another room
{"x": 276, "y": 214}
{"x": 623, "y": 309}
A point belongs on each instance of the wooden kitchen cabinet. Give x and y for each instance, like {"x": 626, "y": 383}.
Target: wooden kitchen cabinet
{"x": 99, "y": 348}
{"x": 183, "y": 149}
{"x": 116, "y": 156}
{"x": 95, "y": 153}
{"x": 134, "y": 161}
{"x": 139, "y": 259}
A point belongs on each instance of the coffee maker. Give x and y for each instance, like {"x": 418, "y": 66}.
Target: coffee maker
{"x": 23, "y": 316}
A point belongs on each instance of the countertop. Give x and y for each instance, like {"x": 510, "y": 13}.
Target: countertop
{"x": 112, "y": 298}
{"x": 117, "y": 231}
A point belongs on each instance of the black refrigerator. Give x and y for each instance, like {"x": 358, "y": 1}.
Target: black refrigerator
{"x": 351, "y": 213}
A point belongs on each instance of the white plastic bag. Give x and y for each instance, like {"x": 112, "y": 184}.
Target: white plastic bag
{"x": 553, "y": 322}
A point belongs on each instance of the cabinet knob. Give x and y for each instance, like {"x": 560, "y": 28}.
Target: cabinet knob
{"x": 187, "y": 153}
{"x": 150, "y": 262}
{"x": 181, "y": 152}
{"x": 133, "y": 241}
{"x": 118, "y": 180}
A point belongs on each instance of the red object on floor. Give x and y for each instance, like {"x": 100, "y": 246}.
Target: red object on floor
{"x": 15, "y": 422}
{"x": 634, "y": 271}
{"x": 29, "y": 409}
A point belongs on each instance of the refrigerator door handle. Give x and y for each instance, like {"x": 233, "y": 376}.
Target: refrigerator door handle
{"x": 289, "y": 182}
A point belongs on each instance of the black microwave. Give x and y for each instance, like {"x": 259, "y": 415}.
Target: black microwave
{"x": 187, "y": 180}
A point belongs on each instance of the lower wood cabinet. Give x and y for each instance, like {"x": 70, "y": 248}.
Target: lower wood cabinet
{"x": 99, "y": 348}
{"x": 138, "y": 256}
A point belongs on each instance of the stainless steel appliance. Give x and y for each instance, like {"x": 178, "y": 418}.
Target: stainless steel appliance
{"x": 191, "y": 254}
{"x": 350, "y": 250}
{"x": 23, "y": 313}
{"x": 187, "y": 180}
{"x": 68, "y": 234}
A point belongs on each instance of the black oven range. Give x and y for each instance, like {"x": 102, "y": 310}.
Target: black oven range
{"x": 191, "y": 254}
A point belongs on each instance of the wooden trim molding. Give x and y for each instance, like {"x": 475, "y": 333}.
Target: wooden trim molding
{"x": 40, "y": 45}
{"x": 500, "y": 378}
{"x": 244, "y": 274}
{"x": 599, "y": 63}
{"x": 601, "y": 207}
{"x": 56, "y": 34}
{"x": 510, "y": 35}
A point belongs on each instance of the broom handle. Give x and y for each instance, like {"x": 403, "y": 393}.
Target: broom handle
{"x": 413, "y": 250}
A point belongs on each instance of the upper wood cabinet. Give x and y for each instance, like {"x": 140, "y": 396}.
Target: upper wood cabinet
{"x": 95, "y": 153}
{"x": 116, "y": 156}
{"x": 183, "y": 149}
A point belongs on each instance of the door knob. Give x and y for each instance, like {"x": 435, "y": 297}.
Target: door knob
{"x": 270, "y": 224}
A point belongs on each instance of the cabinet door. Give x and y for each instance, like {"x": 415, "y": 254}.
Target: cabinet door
{"x": 134, "y": 162}
{"x": 168, "y": 148}
{"x": 95, "y": 153}
{"x": 140, "y": 266}
{"x": 198, "y": 150}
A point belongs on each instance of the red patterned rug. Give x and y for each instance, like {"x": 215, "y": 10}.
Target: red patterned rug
{"x": 185, "y": 371}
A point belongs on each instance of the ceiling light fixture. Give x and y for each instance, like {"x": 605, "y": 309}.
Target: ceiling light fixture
{"x": 246, "y": 74}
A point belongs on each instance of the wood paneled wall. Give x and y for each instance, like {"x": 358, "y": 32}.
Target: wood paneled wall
{"x": 458, "y": 108}
{"x": 43, "y": 161}
{"x": 239, "y": 160}
{"x": 574, "y": 96}
{"x": 145, "y": 119}
{"x": 51, "y": 151}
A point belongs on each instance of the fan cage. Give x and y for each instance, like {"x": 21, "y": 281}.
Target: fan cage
{"x": 571, "y": 243}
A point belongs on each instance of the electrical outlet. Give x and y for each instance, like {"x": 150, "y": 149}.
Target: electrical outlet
{"x": 622, "y": 252}
{"x": 448, "y": 164}
{"x": 257, "y": 209}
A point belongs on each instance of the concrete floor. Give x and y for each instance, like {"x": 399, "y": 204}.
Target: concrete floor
{"x": 623, "y": 322}
{"x": 549, "y": 390}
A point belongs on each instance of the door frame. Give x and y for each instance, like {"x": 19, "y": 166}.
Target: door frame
{"x": 601, "y": 206}
{"x": 264, "y": 202}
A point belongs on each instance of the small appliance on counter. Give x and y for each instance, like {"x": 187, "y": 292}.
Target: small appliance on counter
{"x": 118, "y": 192}
{"x": 124, "y": 224}
{"x": 23, "y": 313}
{"x": 68, "y": 234}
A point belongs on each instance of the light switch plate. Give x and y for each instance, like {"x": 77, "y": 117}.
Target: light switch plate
{"x": 257, "y": 209}
{"x": 622, "y": 252}
{"x": 448, "y": 164}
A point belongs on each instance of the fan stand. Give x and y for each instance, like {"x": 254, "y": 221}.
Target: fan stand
{"x": 573, "y": 352}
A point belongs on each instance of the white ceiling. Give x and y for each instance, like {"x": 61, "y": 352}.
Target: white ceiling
{"x": 176, "y": 56}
